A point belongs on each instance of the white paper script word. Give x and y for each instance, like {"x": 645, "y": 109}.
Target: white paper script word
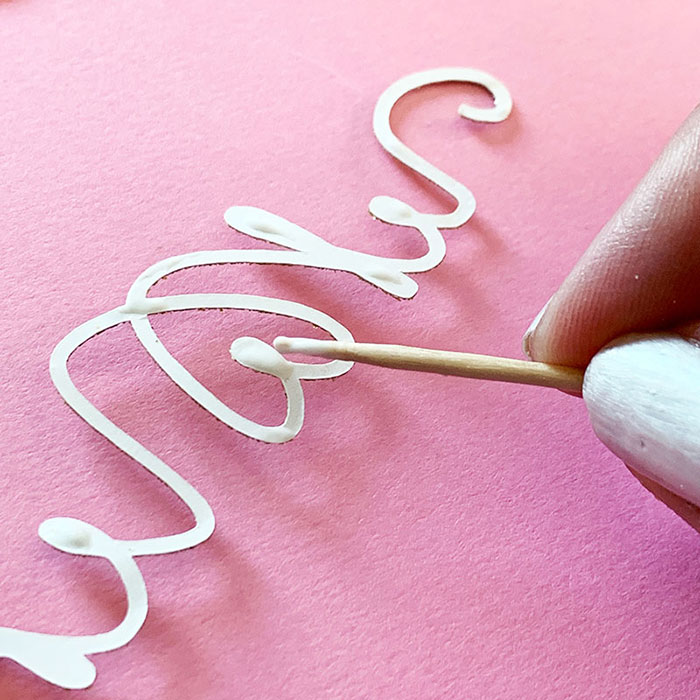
{"x": 62, "y": 659}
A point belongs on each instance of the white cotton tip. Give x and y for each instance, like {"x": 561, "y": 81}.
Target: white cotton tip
{"x": 643, "y": 397}
{"x": 301, "y": 346}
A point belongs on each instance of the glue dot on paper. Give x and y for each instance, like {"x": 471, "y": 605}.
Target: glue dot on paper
{"x": 267, "y": 227}
{"x": 66, "y": 534}
{"x": 391, "y": 210}
{"x": 384, "y": 274}
{"x": 255, "y": 354}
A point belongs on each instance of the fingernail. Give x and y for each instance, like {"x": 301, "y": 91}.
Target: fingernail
{"x": 642, "y": 397}
{"x": 690, "y": 331}
{"x": 531, "y": 329}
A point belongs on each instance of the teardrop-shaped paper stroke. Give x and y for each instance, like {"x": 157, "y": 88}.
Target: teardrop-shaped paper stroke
{"x": 62, "y": 659}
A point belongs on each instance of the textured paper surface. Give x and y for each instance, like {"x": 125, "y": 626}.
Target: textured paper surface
{"x": 488, "y": 547}
{"x": 61, "y": 659}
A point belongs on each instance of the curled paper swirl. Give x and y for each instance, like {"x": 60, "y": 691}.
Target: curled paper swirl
{"x": 62, "y": 659}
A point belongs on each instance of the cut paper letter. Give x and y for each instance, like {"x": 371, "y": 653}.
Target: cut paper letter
{"x": 62, "y": 659}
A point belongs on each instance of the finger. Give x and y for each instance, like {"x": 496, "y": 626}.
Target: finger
{"x": 688, "y": 511}
{"x": 642, "y": 393}
{"x": 642, "y": 272}
{"x": 685, "y": 509}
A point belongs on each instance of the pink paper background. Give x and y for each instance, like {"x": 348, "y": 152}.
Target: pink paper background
{"x": 423, "y": 537}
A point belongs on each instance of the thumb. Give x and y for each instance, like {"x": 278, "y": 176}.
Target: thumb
{"x": 642, "y": 393}
{"x": 685, "y": 509}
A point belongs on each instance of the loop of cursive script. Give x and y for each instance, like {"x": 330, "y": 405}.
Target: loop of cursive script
{"x": 61, "y": 659}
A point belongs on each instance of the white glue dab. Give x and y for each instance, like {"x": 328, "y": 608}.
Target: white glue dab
{"x": 257, "y": 355}
{"x": 62, "y": 659}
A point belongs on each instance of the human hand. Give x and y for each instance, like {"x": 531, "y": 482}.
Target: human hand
{"x": 641, "y": 274}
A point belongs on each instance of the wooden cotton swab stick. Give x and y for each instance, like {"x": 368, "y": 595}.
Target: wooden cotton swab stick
{"x": 458, "y": 364}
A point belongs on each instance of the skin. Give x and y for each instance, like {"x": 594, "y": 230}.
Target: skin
{"x": 641, "y": 273}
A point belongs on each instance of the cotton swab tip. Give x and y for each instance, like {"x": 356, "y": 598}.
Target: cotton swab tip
{"x": 302, "y": 346}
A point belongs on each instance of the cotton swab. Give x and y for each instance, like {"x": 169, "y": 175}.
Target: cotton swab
{"x": 459, "y": 364}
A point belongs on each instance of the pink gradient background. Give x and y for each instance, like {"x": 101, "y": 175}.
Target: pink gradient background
{"x": 423, "y": 537}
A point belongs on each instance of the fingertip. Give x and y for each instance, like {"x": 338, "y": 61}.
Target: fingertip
{"x": 640, "y": 273}
{"x": 685, "y": 509}
{"x": 555, "y": 335}
{"x": 690, "y": 331}
{"x": 529, "y": 345}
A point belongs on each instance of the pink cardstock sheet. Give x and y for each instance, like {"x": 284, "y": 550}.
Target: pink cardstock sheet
{"x": 422, "y": 536}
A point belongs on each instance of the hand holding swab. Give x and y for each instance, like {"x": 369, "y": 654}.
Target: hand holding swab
{"x": 642, "y": 392}
{"x": 630, "y": 396}
{"x": 641, "y": 272}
